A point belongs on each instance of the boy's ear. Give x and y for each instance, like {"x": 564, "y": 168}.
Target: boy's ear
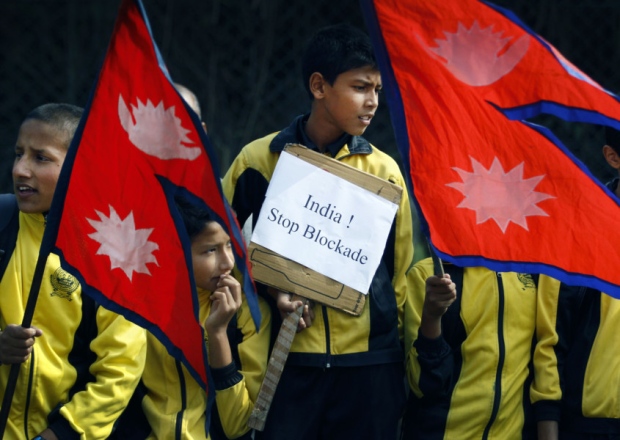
{"x": 317, "y": 85}
{"x": 611, "y": 157}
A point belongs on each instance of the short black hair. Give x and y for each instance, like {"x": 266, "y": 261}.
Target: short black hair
{"x": 612, "y": 138}
{"x": 334, "y": 50}
{"x": 194, "y": 218}
{"x": 64, "y": 117}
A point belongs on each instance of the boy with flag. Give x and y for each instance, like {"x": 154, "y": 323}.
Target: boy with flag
{"x": 79, "y": 362}
{"x": 133, "y": 256}
{"x": 469, "y": 338}
{"x": 344, "y": 375}
{"x": 175, "y": 405}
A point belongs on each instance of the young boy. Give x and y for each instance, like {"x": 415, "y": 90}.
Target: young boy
{"x": 78, "y": 376}
{"x": 175, "y": 404}
{"x": 344, "y": 375}
{"x": 575, "y": 392}
{"x": 469, "y": 337}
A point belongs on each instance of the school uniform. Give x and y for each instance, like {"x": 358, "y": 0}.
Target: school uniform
{"x": 472, "y": 382}
{"x": 339, "y": 349}
{"x": 177, "y": 407}
{"x": 84, "y": 368}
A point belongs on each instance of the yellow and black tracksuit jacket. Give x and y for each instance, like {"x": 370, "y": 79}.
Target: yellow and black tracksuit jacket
{"x": 176, "y": 406}
{"x": 577, "y": 362}
{"x": 472, "y": 381}
{"x": 337, "y": 338}
{"x": 84, "y": 368}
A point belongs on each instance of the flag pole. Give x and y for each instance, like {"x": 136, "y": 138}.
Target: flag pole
{"x": 26, "y": 322}
{"x": 437, "y": 263}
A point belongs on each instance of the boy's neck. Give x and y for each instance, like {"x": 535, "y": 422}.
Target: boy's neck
{"x": 320, "y": 133}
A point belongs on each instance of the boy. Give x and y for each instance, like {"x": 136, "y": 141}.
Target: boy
{"x": 79, "y": 375}
{"x": 344, "y": 375}
{"x": 576, "y": 387}
{"x": 469, "y": 353}
{"x": 175, "y": 404}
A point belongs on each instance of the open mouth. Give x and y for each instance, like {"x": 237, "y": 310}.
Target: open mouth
{"x": 24, "y": 190}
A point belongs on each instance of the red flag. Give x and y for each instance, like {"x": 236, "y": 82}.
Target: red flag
{"x": 113, "y": 219}
{"x": 492, "y": 190}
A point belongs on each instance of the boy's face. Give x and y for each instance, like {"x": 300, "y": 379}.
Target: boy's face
{"x": 212, "y": 256}
{"x": 40, "y": 151}
{"x": 350, "y": 103}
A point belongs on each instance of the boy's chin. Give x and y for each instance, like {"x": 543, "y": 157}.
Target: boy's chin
{"x": 357, "y": 132}
{"x": 31, "y": 208}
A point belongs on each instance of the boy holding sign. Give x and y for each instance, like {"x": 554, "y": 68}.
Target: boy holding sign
{"x": 344, "y": 375}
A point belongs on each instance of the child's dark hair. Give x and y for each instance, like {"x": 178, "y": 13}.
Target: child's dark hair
{"x": 334, "y": 50}
{"x": 64, "y": 117}
{"x": 194, "y": 218}
{"x": 612, "y": 138}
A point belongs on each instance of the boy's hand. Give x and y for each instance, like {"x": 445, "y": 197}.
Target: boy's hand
{"x": 225, "y": 301}
{"x": 16, "y": 343}
{"x": 286, "y": 305}
{"x": 440, "y": 293}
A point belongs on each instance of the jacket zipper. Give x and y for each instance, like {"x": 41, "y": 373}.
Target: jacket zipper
{"x": 178, "y": 429}
{"x": 328, "y": 355}
{"x": 502, "y": 357}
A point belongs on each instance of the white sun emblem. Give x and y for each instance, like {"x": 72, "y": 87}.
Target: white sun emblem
{"x": 479, "y": 57}
{"x": 503, "y": 197}
{"x": 157, "y": 131}
{"x": 127, "y": 247}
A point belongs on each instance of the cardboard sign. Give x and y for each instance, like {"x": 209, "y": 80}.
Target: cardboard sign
{"x": 324, "y": 222}
{"x": 322, "y": 229}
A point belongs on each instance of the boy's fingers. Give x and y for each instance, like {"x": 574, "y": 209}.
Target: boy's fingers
{"x": 18, "y": 332}
{"x": 19, "y": 338}
{"x": 286, "y": 305}
{"x": 307, "y": 317}
{"x": 302, "y": 325}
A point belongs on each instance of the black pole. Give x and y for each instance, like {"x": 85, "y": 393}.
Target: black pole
{"x": 437, "y": 263}
{"x": 26, "y": 322}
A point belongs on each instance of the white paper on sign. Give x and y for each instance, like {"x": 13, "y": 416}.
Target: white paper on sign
{"x": 324, "y": 222}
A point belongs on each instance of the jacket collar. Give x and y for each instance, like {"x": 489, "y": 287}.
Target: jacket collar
{"x": 295, "y": 134}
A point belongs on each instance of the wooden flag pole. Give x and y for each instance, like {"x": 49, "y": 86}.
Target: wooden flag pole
{"x": 279, "y": 354}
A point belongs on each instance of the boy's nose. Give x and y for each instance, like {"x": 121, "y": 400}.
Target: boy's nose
{"x": 228, "y": 260}
{"x": 21, "y": 168}
{"x": 372, "y": 100}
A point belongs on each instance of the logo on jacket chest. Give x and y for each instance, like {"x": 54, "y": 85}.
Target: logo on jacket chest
{"x": 63, "y": 283}
{"x": 527, "y": 281}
